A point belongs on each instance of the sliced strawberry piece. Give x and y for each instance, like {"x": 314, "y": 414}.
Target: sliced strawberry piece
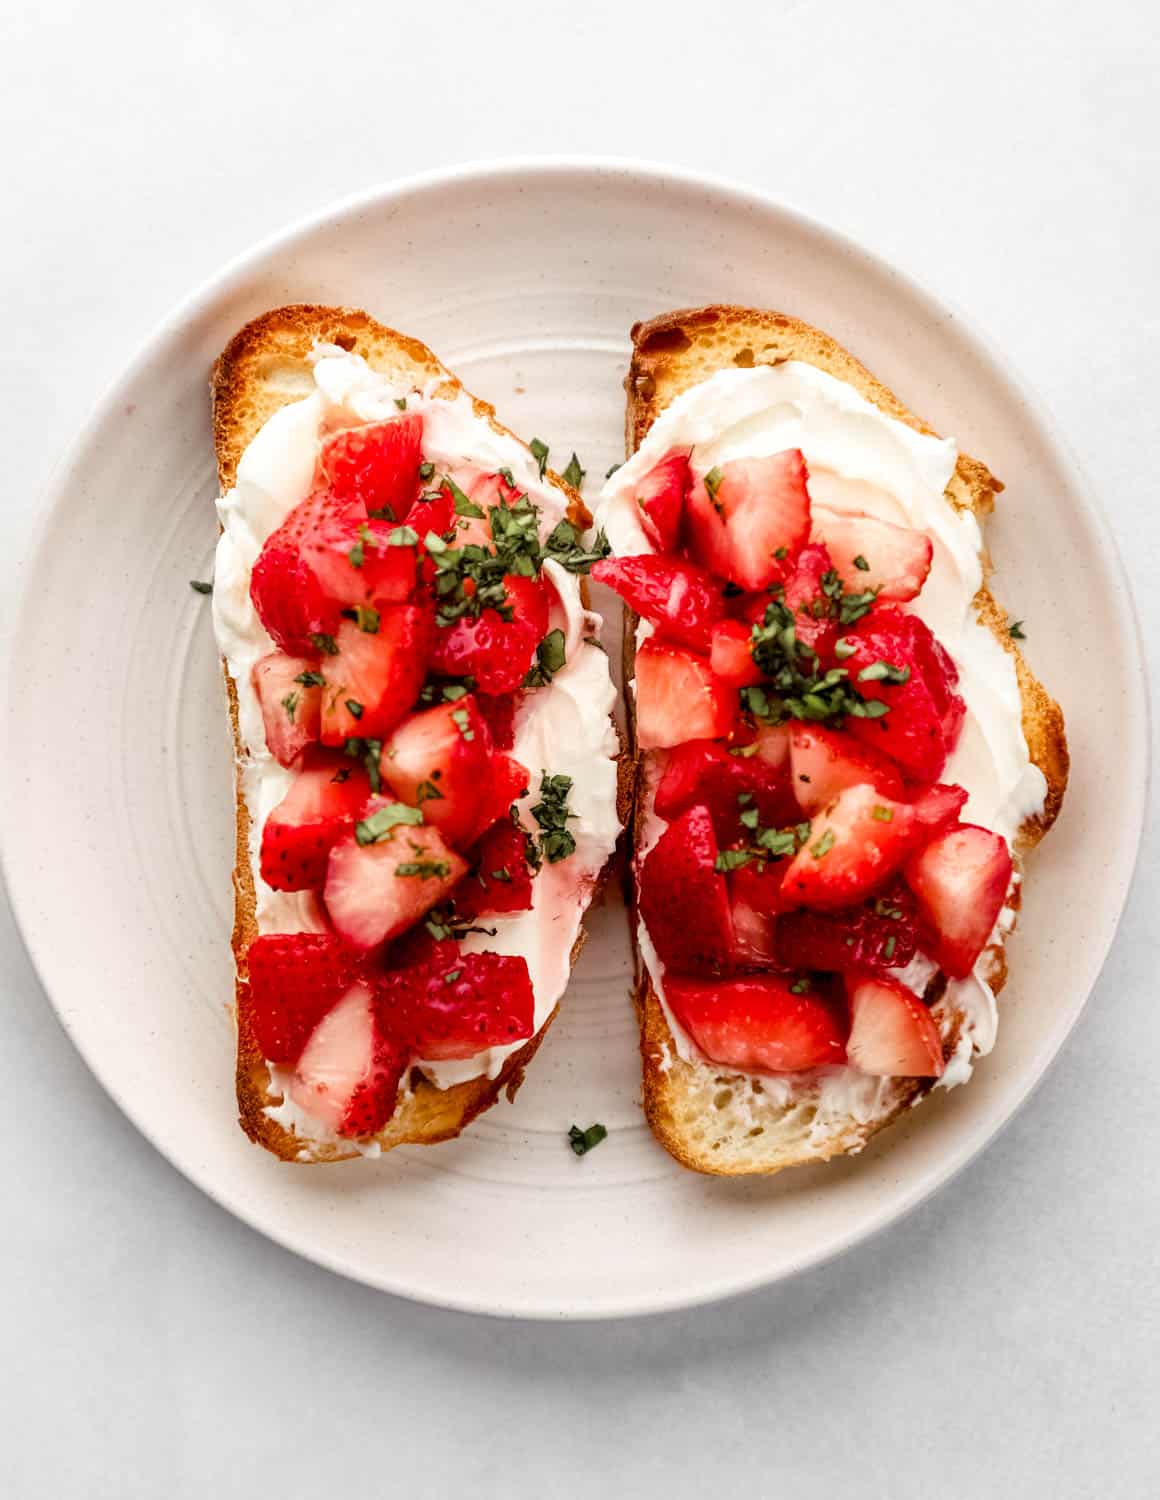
{"x": 456, "y": 1009}
{"x": 892, "y": 1034}
{"x": 961, "y": 880}
{"x": 290, "y": 601}
{"x": 661, "y": 497}
{"x": 442, "y": 760}
{"x": 731, "y": 655}
{"x": 759, "y": 1025}
{"x": 825, "y": 762}
{"x": 497, "y": 653}
{"x": 500, "y": 879}
{"x": 324, "y": 799}
{"x": 939, "y": 807}
{"x": 878, "y": 934}
{"x": 683, "y": 602}
{"x": 290, "y": 696}
{"x": 751, "y": 518}
{"x": 349, "y": 1072}
{"x": 872, "y": 554}
{"x": 753, "y": 931}
{"x": 707, "y": 774}
{"x": 813, "y": 610}
{"x": 295, "y": 978}
{"x": 375, "y": 676}
{"x": 375, "y": 891}
{"x": 925, "y": 713}
{"x": 683, "y": 899}
{"x": 499, "y": 714}
{"x": 377, "y": 465}
{"x": 357, "y": 561}
{"x": 771, "y": 742}
{"x": 678, "y": 698}
{"x": 854, "y": 846}
{"x": 757, "y": 886}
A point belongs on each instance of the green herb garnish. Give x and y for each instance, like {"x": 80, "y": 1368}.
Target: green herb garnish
{"x": 199, "y": 587}
{"x": 425, "y": 869}
{"x": 310, "y": 679}
{"x": 549, "y": 660}
{"x": 552, "y": 814}
{"x": 824, "y": 844}
{"x": 375, "y": 828}
{"x": 539, "y": 452}
{"x": 427, "y": 791}
{"x": 861, "y": 564}
{"x": 574, "y": 474}
{"x": 290, "y": 704}
{"x": 583, "y": 1141}
{"x": 1014, "y": 630}
{"x": 324, "y": 643}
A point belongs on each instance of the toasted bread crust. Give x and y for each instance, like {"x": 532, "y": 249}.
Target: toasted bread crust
{"x": 264, "y": 367}
{"x": 671, "y": 354}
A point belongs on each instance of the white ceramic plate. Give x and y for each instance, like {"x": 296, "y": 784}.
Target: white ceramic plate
{"x": 118, "y": 818}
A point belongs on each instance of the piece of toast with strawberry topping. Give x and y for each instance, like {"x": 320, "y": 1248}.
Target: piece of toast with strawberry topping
{"x": 799, "y": 856}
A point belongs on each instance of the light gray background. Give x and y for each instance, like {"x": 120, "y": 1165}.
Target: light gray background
{"x": 1002, "y": 1340}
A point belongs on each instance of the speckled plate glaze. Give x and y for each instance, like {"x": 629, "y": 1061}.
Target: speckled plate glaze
{"x": 525, "y": 278}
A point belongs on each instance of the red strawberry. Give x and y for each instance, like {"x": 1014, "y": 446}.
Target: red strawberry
{"x": 291, "y": 708}
{"x": 757, "y": 886}
{"x": 290, "y": 601}
{"x": 892, "y": 1034}
{"x": 813, "y": 611}
{"x": 661, "y": 497}
{"x": 349, "y": 1072}
{"x": 753, "y": 929}
{"x": 703, "y": 773}
{"x": 682, "y": 601}
{"x": 455, "y": 1009}
{"x": 925, "y": 713}
{"x": 878, "y": 934}
{"x": 496, "y": 652}
{"x": 939, "y": 807}
{"x": 375, "y": 676}
{"x": 683, "y": 899}
{"x": 961, "y": 880}
{"x": 730, "y": 654}
{"x": 357, "y": 561}
{"x": 762, "y": 506}
{"x": 324, "y": 799}
{"x": 854, "y": 845}
{"x": 825, "y": 761}
{"x": 678, "y": 698}
{"x": 295, "y": 978}
{"x": 442, "y": 760}
{"x": 377, "y": 890}
{"x": 760, "y": 1025}
{"x": 500, "y": 879}
{"x": 499, "y": 714}
{"x": 897, "y": 559}
{"x": 377, "y": 465}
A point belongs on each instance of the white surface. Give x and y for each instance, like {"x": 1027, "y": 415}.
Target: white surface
{"x": 1004, "y": 153}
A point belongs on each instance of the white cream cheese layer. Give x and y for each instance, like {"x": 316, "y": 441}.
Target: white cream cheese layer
{"x": 861, "y": 460}
{"x": 564, "y": 728}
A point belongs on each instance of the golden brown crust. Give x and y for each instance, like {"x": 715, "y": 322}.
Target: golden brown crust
{"x": 671, "y": 353}
{"x": 265, "y": 366}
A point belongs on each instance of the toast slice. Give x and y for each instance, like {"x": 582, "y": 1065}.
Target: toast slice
{"x": 708, "y": 1117}
{"x": 265, "y": 367}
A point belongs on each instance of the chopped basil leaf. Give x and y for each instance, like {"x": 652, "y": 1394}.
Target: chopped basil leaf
{"x": 506, "y": 476}
{"x": 310, "y": 679}
{"x": 427, "y": 791}
{"x": 732, "y": 859}
{"x": 375, "y": 828}
{"x": 401, "y": 402}
{"x": 549, "y": 660}
{"x": 780, "y": 553}
{"x": 354, "y": 708}
{"x": 800, "y": 986}
{"x": 583, "y": 1141}
{"x": 574, "y": 474}
{"x": 1014, "y": 630}
{"x": 365, "y": 617}
{"x": 883, "y": 671}
{"x": 370, "y": 753}
{"x": 552, "y": 814}
{"x": 290, "y": 704}
{"x": 861, "y": 564}
{"x": 462, "y": 721}
{"x": 824, "y": 844}
{"x": 889, "y": 946}
{"x": 383, "y": 513}
{"x": 843, "y": 648}
{"x": 425, "y": 869}
{"x": 540, "y": 454}
{"x": 713, "y": 482}
{"x": 463, "y": 505}
{"x": 883, "y": 814}
{"x": 402, "y": 536}
{"x": 426, "y": 470}
{"x": 610, "y": 472}
{"x": 324, "y": 643}
{"x": 749, "y": 817}
{"x": 199, "y": 587}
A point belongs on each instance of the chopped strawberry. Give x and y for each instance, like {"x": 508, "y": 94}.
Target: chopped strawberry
{"x": 703, "y": 773}
{"x": 766, "y": 1025}
{"x": 289, "y": 694}
{"x": 730, "y": 653}
{"x": 377, "y": 465}
{"x": 925, "y": 713}
{"x": 752, "y": 515}
{"x": 854, "y": 845}
{"x": 757, "y": 886}
{"x": 678, "y": 698}
{"x": 499, "y": 713}
{"x": 357, "y": 561}
{"x": 772, "y": 744}
{"x": 661, "y": 497}
{"x": 375, "y": 675}
{"x": 497, "y": 653}
{"x": 753, "y": 930}
{"x": 454, "y": 1009}
{"x": 825, "y": 761}
{"x": 872, "y": 554}
{"x": 683, "y": 602}
{"x": 961, "y": 880}
{"x": 892, "y": 1034}
{"x": 812, "y": 609}
{"x": 324, "y": 799}
{"x": 878, "y": 934}
{"x": 683, "y": 898}
{"x": 374, "y": 891}
{"x": 500, "y": 879}
{"x": 442, "y": 759}
{"x": 295, "y": 978}
{"x": 349, "y": 1072}
{"x": 290, "y": 601}
{"x": 433, "y": 511}
{"x": 939, "y": 807}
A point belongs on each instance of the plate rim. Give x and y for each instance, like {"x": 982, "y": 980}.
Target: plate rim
{"x": 996, "y": 365}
